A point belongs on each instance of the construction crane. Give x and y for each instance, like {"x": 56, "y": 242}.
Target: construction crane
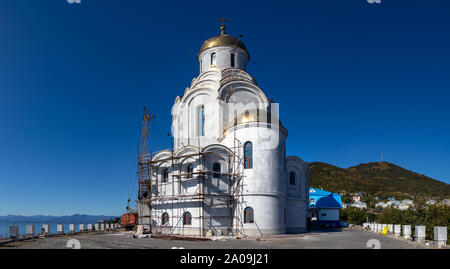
{"x": 144, "y": 156}
{"x": 130, "y": 218}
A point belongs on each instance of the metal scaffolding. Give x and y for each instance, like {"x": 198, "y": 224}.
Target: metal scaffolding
{"x": 149, "y": 178}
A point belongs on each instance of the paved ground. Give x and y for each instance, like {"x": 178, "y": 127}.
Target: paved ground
{"x": 339, "y": 239}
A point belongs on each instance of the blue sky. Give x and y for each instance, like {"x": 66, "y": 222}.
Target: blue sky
{"x": 353, "y": 80}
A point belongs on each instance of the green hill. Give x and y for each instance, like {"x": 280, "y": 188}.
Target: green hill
{"x": 380, "y": 179}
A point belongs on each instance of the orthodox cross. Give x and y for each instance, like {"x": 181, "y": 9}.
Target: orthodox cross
{"x": 222, "y": 27}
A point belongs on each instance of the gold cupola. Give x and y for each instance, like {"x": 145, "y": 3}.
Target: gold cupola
{"x": 223, "y": 40}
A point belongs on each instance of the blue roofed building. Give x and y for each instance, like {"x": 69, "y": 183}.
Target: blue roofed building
{"x": 324, "y": 207}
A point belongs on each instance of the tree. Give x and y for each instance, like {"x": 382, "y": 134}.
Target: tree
{"x": 422, "y": 214}
{"x": 353, "y": 215}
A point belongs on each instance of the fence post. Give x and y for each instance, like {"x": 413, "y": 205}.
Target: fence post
{"x": 13, "y": 232}
{"x": 419, "y": 234}
{"x": 440, "y": 236}
{"x": 407, "y": 231}
{"x": 30, "y": 230}
{"x": 46, "y": 229}
{"x": 60, "y": 229}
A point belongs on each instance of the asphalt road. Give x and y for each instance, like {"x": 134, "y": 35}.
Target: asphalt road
{"x": 339, "y": 239}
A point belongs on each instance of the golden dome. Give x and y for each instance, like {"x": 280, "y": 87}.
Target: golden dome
{"x": 223, "y": 40}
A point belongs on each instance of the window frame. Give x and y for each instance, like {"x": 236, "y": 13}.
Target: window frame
{"x": 165, "y": 175}
{"x": 189, "y": 170}
{"x": 164, "y": 218}
{"x": 292, "y": 178}
{"x": 201, "y": 120}
{"x": 213, "y": 58}
{"x": 216, "y": 174}
{"x": 249, "y": 215}
{"x": 187, "y": 218}
{"x": 248, "y": 160}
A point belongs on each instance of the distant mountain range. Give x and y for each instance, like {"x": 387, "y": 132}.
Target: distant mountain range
{"x": 77, "y": 218}
{"x": 378, "y": 179}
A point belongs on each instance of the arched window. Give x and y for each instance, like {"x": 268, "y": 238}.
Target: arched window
{"x": 232, "y": 60}
{"x": 187, "y": 218}
{"x": 165, "y": 218}
{"x": 248, "y": 215}
{"x": 292, "y": 178}
{"x": 248, "y": 155}
{"x": 165, "y": 175}
{"x": 216, "y": 170}
{"x": 246, "y": 118}
{"x": 201, "y": 121}
{"x": 190, "y": 170}
{"x": 213, "y": 58}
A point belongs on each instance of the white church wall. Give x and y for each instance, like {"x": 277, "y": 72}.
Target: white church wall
{"x": 165, "y": 185}
{"x": 211, "y": 127}
{"x": 264, "y": 184}
{"x": 296, "y": 214}
{"x": 301, "y": 172}
{"x": 234, "y": 98}
{"x": 239, "y": 96}
{"x": 186, "y": 127}
{"x": 188, "y": 184}
{"x": 296, "y": 204}
{"x": 268, "y": 214}
{"x": 215, "y": 216}
{"x": 176, "y": 211}
{"x": 223, "y": 58}
{"x": 293, "y": 190}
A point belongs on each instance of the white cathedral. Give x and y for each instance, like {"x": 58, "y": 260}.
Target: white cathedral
{"x": 227, "y": 172}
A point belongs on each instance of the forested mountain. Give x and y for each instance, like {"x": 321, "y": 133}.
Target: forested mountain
{"x": 382, "y": 179}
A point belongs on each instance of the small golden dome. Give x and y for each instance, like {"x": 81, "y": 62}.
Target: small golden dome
{"x": 223, "y": 40}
